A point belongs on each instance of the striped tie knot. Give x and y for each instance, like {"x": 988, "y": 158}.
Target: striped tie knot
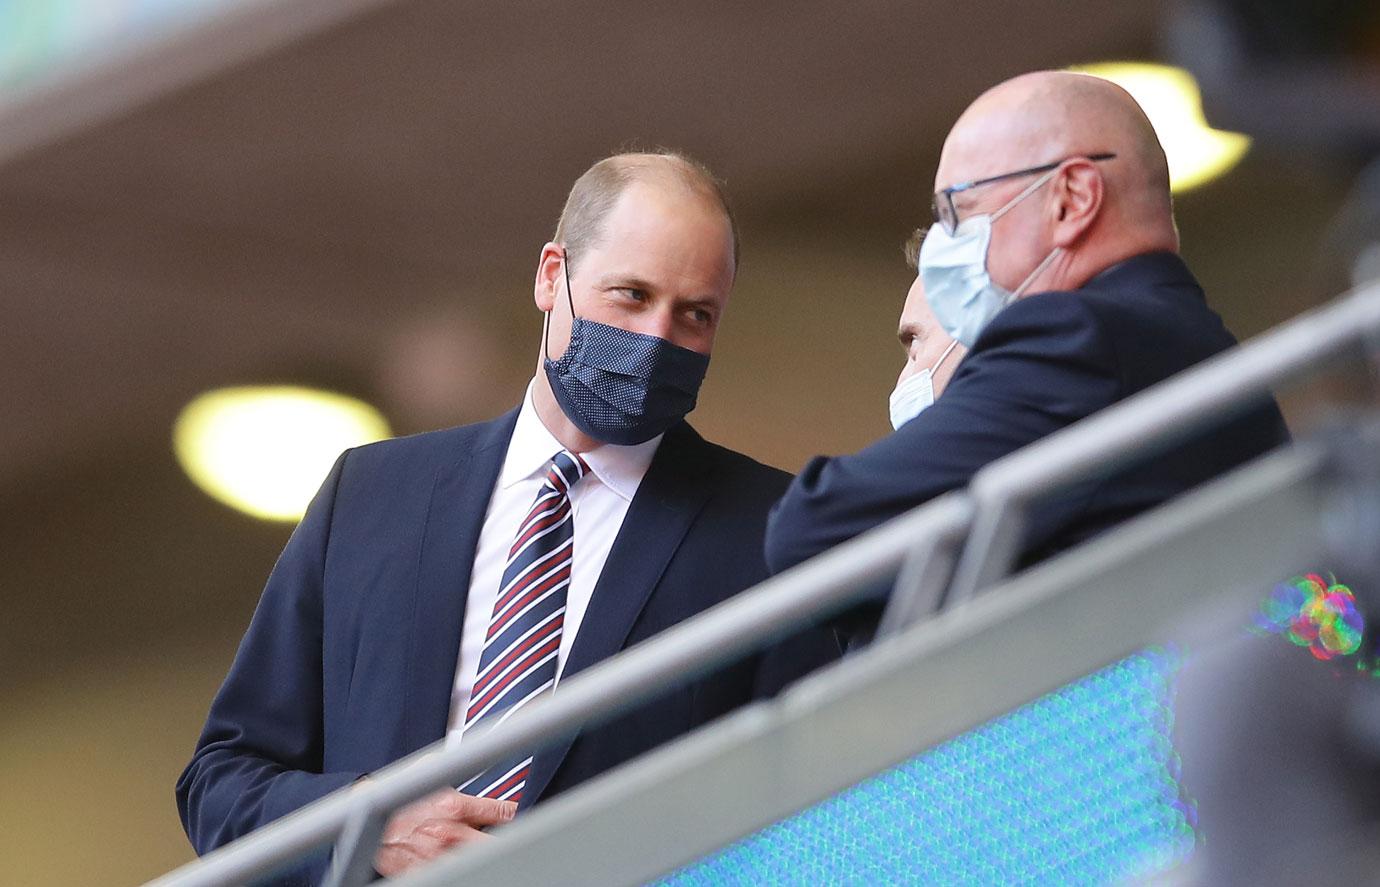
{"x": 565, "y": 470}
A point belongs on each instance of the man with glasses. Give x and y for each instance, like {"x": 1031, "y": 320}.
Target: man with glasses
{"x": 1054, "y": 259}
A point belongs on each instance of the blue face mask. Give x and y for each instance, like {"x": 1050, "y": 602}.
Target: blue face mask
{"x": 953, "y": 269}
{"x": 915, "y": 394}
{"x": 618, "y": 386}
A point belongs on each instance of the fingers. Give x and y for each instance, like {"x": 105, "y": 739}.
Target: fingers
{"x": 429, "y": 827}
{"x": 439, "y": 835}
{"x": 473, "y": 810}
{"x": 451, "y": 804}
{"x": 409, "y": 843}
{"x": 485, "y": 811}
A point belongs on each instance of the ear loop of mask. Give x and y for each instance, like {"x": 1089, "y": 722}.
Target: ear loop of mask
{"x": 940, "y": 362}
{"x": 1025, "y": 284}
{"x": 546, "y": 319}
{"x": 1053, "y": 254}
{"x": 1029, "y": 189}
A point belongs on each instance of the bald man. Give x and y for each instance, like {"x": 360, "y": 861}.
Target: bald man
{"x": 441, "y": 582}
{"x": 1054, "y": 259}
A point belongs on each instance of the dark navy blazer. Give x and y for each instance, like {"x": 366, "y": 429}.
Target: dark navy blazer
{"x": 350, "y": 657}
{"x": 1043, "y": 363}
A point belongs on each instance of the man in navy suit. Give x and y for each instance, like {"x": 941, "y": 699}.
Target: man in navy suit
{"x": 445, "y": 580}
{"x": 1053, "y": 258}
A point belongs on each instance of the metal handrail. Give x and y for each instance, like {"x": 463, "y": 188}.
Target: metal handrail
{"x": 1141, "y": 583}
{"x": 825, "y": 585}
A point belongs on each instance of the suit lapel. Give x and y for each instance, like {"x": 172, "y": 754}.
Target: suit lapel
{"x": 667, "y": 501}
{"x": 459, "y": 498}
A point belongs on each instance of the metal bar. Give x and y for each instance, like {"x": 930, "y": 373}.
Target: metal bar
{"x": 1131, "y": 587}
{"x": 352, "y": 865}
{"x": 1147, "y": 420}
{"x": 924, "y": 576}
{"x": 800, "y": 596}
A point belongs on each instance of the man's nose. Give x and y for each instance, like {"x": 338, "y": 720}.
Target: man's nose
{"x": 659, "y": 323}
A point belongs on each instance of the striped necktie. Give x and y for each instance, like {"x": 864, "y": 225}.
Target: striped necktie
{"x": 518, "y": 662}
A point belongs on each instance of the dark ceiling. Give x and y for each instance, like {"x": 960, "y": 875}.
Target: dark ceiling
{"x": 283, "y": 213}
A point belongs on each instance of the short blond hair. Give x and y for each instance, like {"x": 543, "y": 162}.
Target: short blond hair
{"x": 595, "y": 193}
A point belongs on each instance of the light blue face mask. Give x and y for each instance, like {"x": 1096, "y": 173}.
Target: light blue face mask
{"x": 953, "y": 269}
{"x": 915, "y": 393}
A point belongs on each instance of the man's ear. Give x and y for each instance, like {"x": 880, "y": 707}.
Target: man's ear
{"x": 549, "y": 276}
{"x": 1078, "y": 192}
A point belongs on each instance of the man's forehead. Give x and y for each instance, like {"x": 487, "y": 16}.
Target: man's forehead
{"x": 915, "y": 312}
{"x": 985, "y": 144}
{"x": 646, "y": 212}
{"x": 655, "y": 244}
{"x": 963, "y": 167}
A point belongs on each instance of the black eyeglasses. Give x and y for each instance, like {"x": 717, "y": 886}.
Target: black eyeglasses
{"x": 946, "y": 215}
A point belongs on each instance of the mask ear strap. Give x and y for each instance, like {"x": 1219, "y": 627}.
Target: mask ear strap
{"x": 943, "y": 356}
{"x": 1025, "y": 284}
{"x": 546, "y": 315}
{"x": 1029, "y": 189}
{"x": 565, "y": 264}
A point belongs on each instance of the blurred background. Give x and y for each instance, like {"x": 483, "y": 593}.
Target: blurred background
{"x": 352, "y": 195}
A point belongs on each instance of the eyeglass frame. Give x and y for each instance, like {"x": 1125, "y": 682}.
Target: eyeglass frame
{"x": 949, "y": 192}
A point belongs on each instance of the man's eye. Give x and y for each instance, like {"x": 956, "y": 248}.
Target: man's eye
{"x": 701, "y": 316}
{"x": 633, "y": 293}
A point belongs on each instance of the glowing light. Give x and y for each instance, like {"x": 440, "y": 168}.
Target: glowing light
{"x": 1197, "y": 153}
{"x": 1314, "y": 612}
{"x": 265, "y": 450}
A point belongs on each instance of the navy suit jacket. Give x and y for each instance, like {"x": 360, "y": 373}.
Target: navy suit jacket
{"x": 350, "y": 657}
{"x": 1043, "y": 363}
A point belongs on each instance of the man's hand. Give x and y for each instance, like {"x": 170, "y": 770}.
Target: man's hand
{"x": 425, "y": 829}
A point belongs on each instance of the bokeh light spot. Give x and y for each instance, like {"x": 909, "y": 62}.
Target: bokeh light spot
{"x": 265, "y": 450}
{"x": 1196, "y": 152}
{"x": 1316, "y": 612}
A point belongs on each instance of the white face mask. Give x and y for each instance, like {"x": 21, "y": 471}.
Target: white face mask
{"x": 915, "y": 393}
{"x": 953, "y": 268}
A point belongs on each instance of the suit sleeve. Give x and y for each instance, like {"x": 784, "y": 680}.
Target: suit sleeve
{"x": 804, "y": 651}
{"x": 260, "y": 754}
{"x": 1041, "y": 365}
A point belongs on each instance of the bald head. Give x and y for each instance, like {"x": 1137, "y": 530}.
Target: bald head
{"x": 594, "y": 194}
{"x": 1047, "y": 116}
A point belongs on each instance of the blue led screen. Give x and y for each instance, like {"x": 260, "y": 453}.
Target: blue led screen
{"x": 1078, "y": 787}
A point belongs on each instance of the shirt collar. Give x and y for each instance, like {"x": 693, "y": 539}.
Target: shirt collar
{"x": 620, "y": 468}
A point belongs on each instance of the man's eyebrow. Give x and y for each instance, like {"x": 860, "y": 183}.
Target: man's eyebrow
{"x": 913, "y": 330}
{"x": 631, "y": 281}
{"x": 704, "y": 302}
{"x": 624, "y": 281}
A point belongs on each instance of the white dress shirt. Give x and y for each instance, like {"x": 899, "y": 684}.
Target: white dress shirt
{"x": 599, "y": 502}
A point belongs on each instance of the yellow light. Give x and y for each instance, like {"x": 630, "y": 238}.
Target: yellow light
{"x": 265, "y": 450}
{"x": 1197, "y": 153}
